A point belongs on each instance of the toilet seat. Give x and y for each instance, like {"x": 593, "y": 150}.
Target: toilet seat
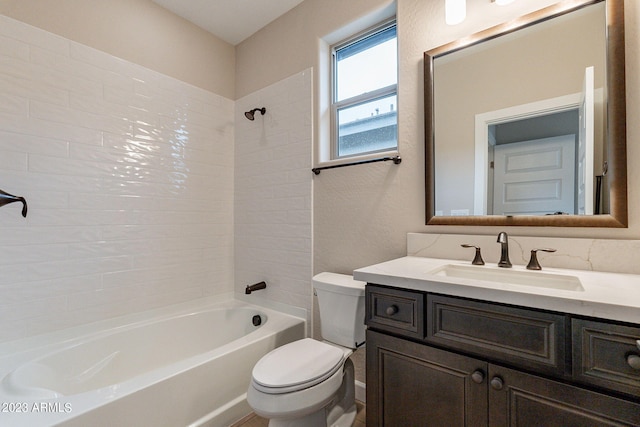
{"x": 296, "y": 366}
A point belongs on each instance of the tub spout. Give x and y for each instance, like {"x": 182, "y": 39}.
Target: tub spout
{"x": 256, "y": 287}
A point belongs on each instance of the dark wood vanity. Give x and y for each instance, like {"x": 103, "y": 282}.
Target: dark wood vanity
{"x": 439, "y": 360}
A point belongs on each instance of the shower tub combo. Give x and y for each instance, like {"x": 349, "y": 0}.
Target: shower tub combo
{"x": 184, "y": 366}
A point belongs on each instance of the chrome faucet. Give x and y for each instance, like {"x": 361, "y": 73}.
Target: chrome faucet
{"x": 503, "y": 239}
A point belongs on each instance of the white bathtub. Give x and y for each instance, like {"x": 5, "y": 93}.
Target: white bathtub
{"x": 187, "y": 366}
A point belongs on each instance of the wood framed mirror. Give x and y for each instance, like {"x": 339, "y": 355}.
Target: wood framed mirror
{"x": 524, "y": 115}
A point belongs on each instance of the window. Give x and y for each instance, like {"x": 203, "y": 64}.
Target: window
{"x": 364, "y": 101}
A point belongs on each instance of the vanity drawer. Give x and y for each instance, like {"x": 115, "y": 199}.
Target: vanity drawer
{"x": 517, "y": 336}
{"x": 395, "y": 310}
{"x": 607, "y": 355}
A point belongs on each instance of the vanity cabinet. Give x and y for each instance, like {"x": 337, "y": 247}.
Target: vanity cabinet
{"x": 477, "y": 363}
{"x": 411, "y": 384}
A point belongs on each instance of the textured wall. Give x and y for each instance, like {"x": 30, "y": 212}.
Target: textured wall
{"x": 362, "y": 214}
{"x": 129, "y": 179}
{"x": 290, "y": 43}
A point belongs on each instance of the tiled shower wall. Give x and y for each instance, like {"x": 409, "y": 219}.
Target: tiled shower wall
{"x": 129, "y": 179}
{"x": 273, "y": 181}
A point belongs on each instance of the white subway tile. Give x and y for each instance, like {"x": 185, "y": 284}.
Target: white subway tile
{"x": 33, "y": 144}
{"x": 49, "y": 235}
{"x": 14, "y": 48}
{"x": 272, "y": 216}
{"x": 13, "y": 161}
{"x": 47, "y": 129}
{"x": 17, "y": 85}
{"x": 14, "y": 105}
{"x": 129, "y": 177}
{"x": 130, "y": 180}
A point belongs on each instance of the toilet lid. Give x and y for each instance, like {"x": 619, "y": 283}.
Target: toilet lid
{"x": 297, "y": 365}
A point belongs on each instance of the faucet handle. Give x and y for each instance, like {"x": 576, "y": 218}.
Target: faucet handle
{"x": 533, "y": 262}
{"x": 477, "y": 259}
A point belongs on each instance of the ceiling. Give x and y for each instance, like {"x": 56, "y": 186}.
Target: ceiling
{"x": 231, "y": 20}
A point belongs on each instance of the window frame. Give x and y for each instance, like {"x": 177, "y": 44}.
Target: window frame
{"x": 336, "y": 106}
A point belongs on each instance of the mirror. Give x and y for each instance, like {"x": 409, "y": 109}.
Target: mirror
{"x": 525, "y": 123}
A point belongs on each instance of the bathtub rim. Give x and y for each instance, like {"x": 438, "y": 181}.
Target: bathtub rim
{"x": 50, "y": 341}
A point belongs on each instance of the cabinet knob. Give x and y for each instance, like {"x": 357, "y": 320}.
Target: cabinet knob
{"x": 634, "y": 361}
{"x": 391, "y": 310}
{"x": 477, "y": 376}
{"x": 497, "y": 383}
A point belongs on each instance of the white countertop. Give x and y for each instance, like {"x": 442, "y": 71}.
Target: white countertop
{"x": 606, "y": 295}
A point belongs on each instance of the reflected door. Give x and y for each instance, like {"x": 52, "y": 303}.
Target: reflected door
{"x": 535, "y": 177}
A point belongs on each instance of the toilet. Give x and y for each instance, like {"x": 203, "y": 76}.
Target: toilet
{"x": 310, "y": 383}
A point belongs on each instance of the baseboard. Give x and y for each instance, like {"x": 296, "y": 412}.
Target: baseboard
{"x": 361, "y": 391}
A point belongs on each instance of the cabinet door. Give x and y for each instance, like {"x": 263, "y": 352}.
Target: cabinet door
{"x": 523, "y": 400}
{"x": 607, "y": 355}
{"x": 410, "y": 384}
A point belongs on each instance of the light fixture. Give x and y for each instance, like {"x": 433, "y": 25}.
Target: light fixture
{"x": 455, "y": 11}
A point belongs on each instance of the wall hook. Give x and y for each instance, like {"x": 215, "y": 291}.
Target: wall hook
{"x": 6, "y": 198}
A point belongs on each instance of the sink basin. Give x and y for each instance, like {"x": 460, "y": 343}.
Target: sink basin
{"x": 512, "y": 277}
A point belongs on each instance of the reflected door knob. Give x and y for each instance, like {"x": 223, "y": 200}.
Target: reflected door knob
{"x": 391, "y": 310}
{"x": 497, "y": 383}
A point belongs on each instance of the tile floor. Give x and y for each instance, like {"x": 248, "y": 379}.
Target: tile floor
{"x": 253, "y": 420}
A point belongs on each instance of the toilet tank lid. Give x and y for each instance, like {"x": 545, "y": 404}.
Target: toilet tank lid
{"x": 338, "y": 283}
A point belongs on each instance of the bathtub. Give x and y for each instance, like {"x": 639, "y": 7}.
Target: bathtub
{"x": 184, "y": 366}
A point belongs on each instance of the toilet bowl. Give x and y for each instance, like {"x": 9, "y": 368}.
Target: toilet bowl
{"x": 308, "y": 382}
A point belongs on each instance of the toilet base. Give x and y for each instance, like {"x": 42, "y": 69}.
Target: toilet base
{"x": 340, "y": 412}
{"x": 318, "y": 419}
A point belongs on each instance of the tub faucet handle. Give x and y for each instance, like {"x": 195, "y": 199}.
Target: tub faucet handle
{"x": 533, "y": 262}
{"x": 477, "y": 259}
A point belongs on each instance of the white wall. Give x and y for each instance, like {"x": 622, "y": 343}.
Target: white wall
{"x": 273, "y": 192}
{"x": 129, "y": 178}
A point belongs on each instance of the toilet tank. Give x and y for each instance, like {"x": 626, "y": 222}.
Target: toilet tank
{"x": 341, "y": 304}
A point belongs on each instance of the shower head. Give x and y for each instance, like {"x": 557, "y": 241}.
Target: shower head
{"x": 250, "y": 114}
